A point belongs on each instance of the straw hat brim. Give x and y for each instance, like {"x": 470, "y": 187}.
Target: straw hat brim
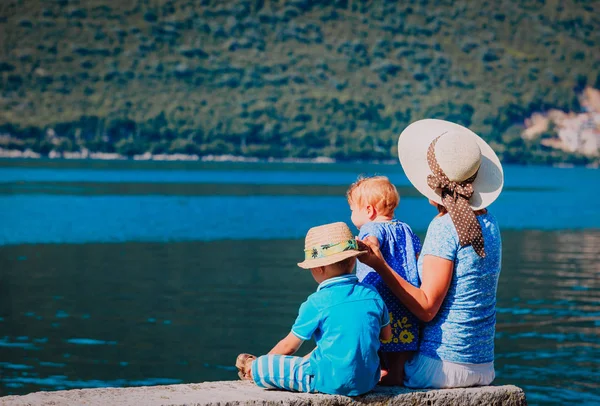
{"x": 412, "y": 151}
{"x": 332, "y": 259}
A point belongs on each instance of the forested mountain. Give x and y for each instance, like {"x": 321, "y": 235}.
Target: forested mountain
{"x": 295, "y": 78}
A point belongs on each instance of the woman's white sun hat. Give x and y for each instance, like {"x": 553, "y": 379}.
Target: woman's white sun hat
{"x": 459, "y": 152}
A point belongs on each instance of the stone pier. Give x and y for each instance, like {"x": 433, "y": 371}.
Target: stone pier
{"x": 233, "y": 393}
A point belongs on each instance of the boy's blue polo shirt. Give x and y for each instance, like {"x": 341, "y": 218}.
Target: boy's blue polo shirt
{"x": 345, "y": 318}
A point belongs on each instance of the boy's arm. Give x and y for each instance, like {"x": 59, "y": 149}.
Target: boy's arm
{"x": 288, "y": 346}
{"x": 386, "y": 333}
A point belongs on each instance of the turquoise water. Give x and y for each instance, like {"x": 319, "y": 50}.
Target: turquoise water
{"x": 120, "y": 274}
{"x": 42, "y": 205}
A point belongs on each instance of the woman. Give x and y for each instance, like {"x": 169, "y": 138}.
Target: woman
{"x": 460, "y": 260}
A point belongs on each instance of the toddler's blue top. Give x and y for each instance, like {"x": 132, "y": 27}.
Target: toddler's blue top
{"x": 399, "y": 247}
{"x": 345, "y": 318}
{"x": 464, "y": 327}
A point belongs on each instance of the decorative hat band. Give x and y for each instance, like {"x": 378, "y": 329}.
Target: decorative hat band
{"x": 327, "y": 250}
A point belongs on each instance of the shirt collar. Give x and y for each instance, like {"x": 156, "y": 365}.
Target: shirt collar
{"x": 349, "y": 278}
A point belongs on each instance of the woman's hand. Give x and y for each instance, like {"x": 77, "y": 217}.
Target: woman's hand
{"x": 423, "y": 302}
{"x": 373, "y": 257}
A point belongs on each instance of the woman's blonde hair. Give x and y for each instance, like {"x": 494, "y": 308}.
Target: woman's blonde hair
{"x": 376, "y": 191}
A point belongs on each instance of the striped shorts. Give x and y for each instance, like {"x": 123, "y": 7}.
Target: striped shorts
{"x": 283, "y": 372}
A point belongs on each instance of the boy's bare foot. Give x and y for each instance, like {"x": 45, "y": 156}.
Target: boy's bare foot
{"x": 244, "y": 365}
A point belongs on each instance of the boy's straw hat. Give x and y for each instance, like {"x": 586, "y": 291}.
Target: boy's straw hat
{"x": 328, "y": 244}
{"x": 460, "y": 154}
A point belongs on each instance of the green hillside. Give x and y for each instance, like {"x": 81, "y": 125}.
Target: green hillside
{"x": 295, "y": 78}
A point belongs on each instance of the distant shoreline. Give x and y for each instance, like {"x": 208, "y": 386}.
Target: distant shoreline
{"x": 148, "y": 157}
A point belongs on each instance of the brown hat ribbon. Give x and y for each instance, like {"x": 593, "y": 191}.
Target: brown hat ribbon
{"x": 455, "y": 196}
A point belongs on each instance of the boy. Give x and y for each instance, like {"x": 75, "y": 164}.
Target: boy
{"x": 346, "y": 319}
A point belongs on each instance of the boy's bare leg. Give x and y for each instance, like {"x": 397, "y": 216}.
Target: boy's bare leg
{"x": 394, "y": 362}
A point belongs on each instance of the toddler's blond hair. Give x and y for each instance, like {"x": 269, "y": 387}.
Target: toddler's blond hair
{"x": 376, "y": 191}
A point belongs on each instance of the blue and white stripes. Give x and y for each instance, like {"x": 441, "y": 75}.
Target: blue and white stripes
{"x": 283, "y": 372}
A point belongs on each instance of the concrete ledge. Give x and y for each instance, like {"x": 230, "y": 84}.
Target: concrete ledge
{"x": 233, "y": 393}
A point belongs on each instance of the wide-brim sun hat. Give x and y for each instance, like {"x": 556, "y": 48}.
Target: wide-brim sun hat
{"x": 327, "y": 244}
{"x": 460, "y": 153}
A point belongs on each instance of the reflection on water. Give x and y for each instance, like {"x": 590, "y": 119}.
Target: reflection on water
{"x": 140, "y": 312}
{"x": 548, "y": 331}
{"x": 148, "y": 313}
{"x": 213, "y": 270}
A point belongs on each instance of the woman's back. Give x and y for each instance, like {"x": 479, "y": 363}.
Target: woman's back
{"x": 464, "y": 327}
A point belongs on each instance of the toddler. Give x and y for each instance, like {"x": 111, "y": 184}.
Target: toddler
{"x": 373, "y": 201}
{"x": 347, "y": 320}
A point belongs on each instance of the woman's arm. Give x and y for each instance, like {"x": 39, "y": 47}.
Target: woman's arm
{"x": 288, "y": 346}
{"x": 423, "y": 302}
